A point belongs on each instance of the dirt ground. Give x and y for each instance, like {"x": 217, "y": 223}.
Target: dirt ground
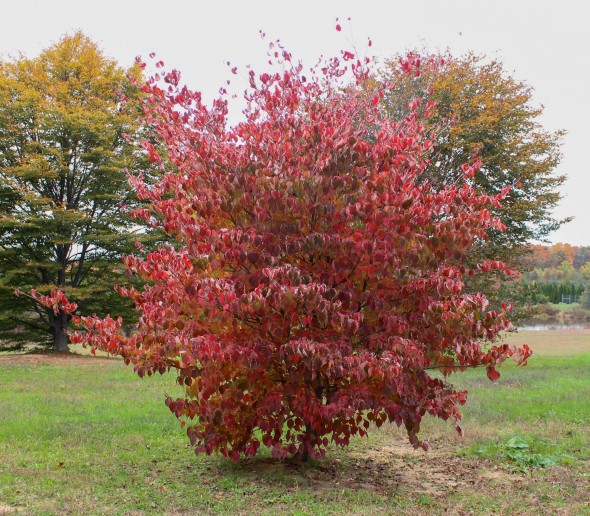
{"x": 53, "y": 357}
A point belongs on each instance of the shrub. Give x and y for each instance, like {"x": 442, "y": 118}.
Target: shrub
{"x": 317, "y": 276}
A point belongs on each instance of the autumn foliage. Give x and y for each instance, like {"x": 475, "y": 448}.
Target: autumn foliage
{"x": 316, "y": 278}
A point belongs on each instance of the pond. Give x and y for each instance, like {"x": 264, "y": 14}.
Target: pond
{"x": 544, "y": 327}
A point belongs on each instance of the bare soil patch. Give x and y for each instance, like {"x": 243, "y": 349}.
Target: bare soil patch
{"x": 387, "y": 468}
{"x": 51, "y": 357}
{"x": 435, "y": 473}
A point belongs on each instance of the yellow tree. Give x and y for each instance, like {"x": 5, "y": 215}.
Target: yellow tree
{"x": 63, "y": 154}
{"x": 488, "y": 115}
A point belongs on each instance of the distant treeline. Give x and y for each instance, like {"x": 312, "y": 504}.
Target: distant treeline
{"x": 554, "y": 292}
{"x": 556, "y": 273}
{"x": 545, "y": 257}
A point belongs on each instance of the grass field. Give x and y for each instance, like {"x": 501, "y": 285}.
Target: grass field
{"x": 85, "y": 435}
{"x": 564, "y": 307}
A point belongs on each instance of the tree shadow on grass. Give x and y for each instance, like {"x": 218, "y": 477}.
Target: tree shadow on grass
{"x": 377, "y": 469}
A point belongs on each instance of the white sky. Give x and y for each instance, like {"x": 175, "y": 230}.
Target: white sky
{"x": 545, "y": 43}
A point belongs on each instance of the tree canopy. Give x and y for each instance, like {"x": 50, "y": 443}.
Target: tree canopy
{"x": 479, "y": 111}
{"x": 64, "y": 117}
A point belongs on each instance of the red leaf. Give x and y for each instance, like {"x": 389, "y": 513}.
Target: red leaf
{"x": 492, "y": 373}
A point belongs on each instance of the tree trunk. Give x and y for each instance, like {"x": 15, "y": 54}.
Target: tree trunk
{"x": 59, "y": 327}
{"x": 303, "y": 454}
{"x": 311, "y": 437}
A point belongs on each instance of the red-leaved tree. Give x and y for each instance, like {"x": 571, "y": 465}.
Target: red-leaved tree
{"x": 316, "y": 278}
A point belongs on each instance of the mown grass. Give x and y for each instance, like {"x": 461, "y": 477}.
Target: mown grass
{"x": 545, "y": 403}
{"x": 564, "y": 307}
{"x": 553, "y": 343}
{"x": 87, "y": 436}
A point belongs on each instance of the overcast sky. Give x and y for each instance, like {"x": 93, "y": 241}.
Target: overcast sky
{"x": 545, "y": 43}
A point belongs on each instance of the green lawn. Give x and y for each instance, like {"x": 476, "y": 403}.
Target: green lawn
{"x": 85, "y": 435}
{"x": 564, "y": 307}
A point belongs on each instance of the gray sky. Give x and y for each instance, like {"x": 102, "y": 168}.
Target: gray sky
{"x": 545, "y": 43}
